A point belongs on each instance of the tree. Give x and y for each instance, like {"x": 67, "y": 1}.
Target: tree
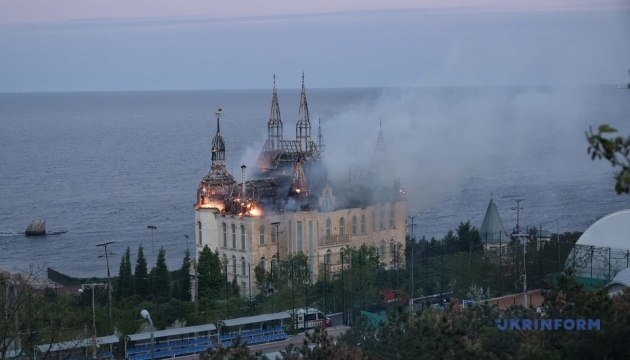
{"x": 616, "y": 150}
{"x": 160, "y": 278}
{"x": 209, "y": 274}
{"x": 125, "y": 277}
{"x": 141, "y": 277}
{"x": 184, "y": 279}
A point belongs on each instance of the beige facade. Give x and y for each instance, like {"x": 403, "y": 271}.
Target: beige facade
{"x": 245, "y": 242}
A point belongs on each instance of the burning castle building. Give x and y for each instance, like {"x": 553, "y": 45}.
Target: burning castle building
{"x": 289, "y": 205}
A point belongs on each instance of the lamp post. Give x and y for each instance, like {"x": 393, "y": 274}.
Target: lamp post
{"x": 277, "y": 225}
{"x": 152, "y": 248}
{"x": 109, "y": 287}
{"x": 145, "y": 314}
{"x": 92, "y": 286}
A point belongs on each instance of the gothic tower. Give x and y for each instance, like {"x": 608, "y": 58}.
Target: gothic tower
{"x": 303, "y": 126}
{"x": 274, "y": 126}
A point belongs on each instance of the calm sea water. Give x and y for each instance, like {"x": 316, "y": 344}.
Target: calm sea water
{"x": 103, "y": 166}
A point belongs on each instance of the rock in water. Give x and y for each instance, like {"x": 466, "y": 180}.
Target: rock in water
{"x": 36, "y": 227}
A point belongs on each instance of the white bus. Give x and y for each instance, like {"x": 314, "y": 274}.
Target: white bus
{"x": 308, "y": 318}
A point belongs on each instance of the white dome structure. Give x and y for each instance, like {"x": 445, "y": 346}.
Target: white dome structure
{"x": 603, "y": 250}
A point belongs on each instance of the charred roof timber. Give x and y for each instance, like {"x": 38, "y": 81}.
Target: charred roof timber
{"x": 290, "y": 175}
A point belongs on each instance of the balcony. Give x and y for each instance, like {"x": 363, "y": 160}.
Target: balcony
{"x": 336, "y": 240}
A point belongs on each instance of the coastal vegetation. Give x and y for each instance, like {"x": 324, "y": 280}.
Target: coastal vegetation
{"x": 444, "y": 272}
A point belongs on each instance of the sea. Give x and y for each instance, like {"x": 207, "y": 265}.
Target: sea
{"x": 103, "y": 166}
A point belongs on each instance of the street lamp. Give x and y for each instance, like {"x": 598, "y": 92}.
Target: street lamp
{"x": 152, "y": 248}
{"x": 109, "y": 287}
{"x": 145, "y": 314}
{"x": 93, "y": 315}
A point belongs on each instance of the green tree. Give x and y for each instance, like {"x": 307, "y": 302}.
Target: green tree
{"x": 616, "y": 150}
{"x": 125, "y": 286}
{"x": 184, "y": 279}
{"x": 160, "y": 278}
{"x": 141, "y": 277}
{"x": 209, "y": 274}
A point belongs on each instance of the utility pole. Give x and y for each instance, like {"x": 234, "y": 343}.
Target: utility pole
{"x": 413, "y": 240}
{"x": 109, "y": 285}
{"x": 518, "y": 208}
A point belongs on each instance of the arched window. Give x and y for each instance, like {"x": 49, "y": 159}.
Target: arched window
{"x": 224, "y": 235}
{"x": 199, "y": 232}
{"x": 381, "y": 249}
{"x": 233, "y": 236}
{"x": 328, "y": 257}
{"x": 381, "y": 220}
{"x": 341, "y": 256}
{"x": 243, "y": 270}
{"x": 354, "y": 225}
{"x": 243, "y": 237}
{"x": 274, "y": 263}
{"x": 363, "y": 224}
{"x": 326, "y": 202}
{"x": 342, "y": 226}
{"x": 262, "y": 234}
{"x": 263, "y": 263}
{"x": 328, "y": 224}
{"x": 392, "y": 218}
{"x": 234, "y": 264}
{"x": 392, "y": 248}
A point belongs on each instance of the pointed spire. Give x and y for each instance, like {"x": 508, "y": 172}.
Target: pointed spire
{"x": 218, "y": 145}
{"x": 380, "y": 142}
{"x": 320, "y": 139}
{"x": 303, "y": 126}
{"x": 299, "y": 187}
{"x": 492, "y": 230}
{"x": 274, "y": 126}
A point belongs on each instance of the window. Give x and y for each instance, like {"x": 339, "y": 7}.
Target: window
{"x": 263, "y": 263}
{"x": 363, "y": 224}
{"x": 234, "y": 264}
{"x": 391, "y": 218}
{"x": 243, "y": 237}
{"x": 328, "y": 256}
{"x": 373, "y": 221}
{"x": 243, "y": 268}
{"x": 199, "y": 231}
{"x": 233, "y": 236}
{"x": 381, "y": 249}
{"x": 381, "y": 220}
{"x": 326, "y": 202}
{"x": 274, "y": 263}
{"x": 328, "y": 224}
{"x": 262, "y": 234}
{"x": 341, "y": 256}
{"x": 273, "y": 236}
{"x": 224, "y": 235}
{"x": 392, "y": 248}
{"x": 298, "y": 237}
{"x": 354, "y": 225}
{"x": 342, "y": 225}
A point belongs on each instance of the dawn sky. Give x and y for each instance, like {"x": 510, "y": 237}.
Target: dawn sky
{"x": 73, "y": 45}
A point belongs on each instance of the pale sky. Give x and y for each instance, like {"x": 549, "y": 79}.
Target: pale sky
{"x": 79, "y": 45}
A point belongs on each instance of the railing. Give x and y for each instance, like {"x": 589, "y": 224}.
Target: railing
{"x": 334, "y": 240}
{"x": 333, "y": 268}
